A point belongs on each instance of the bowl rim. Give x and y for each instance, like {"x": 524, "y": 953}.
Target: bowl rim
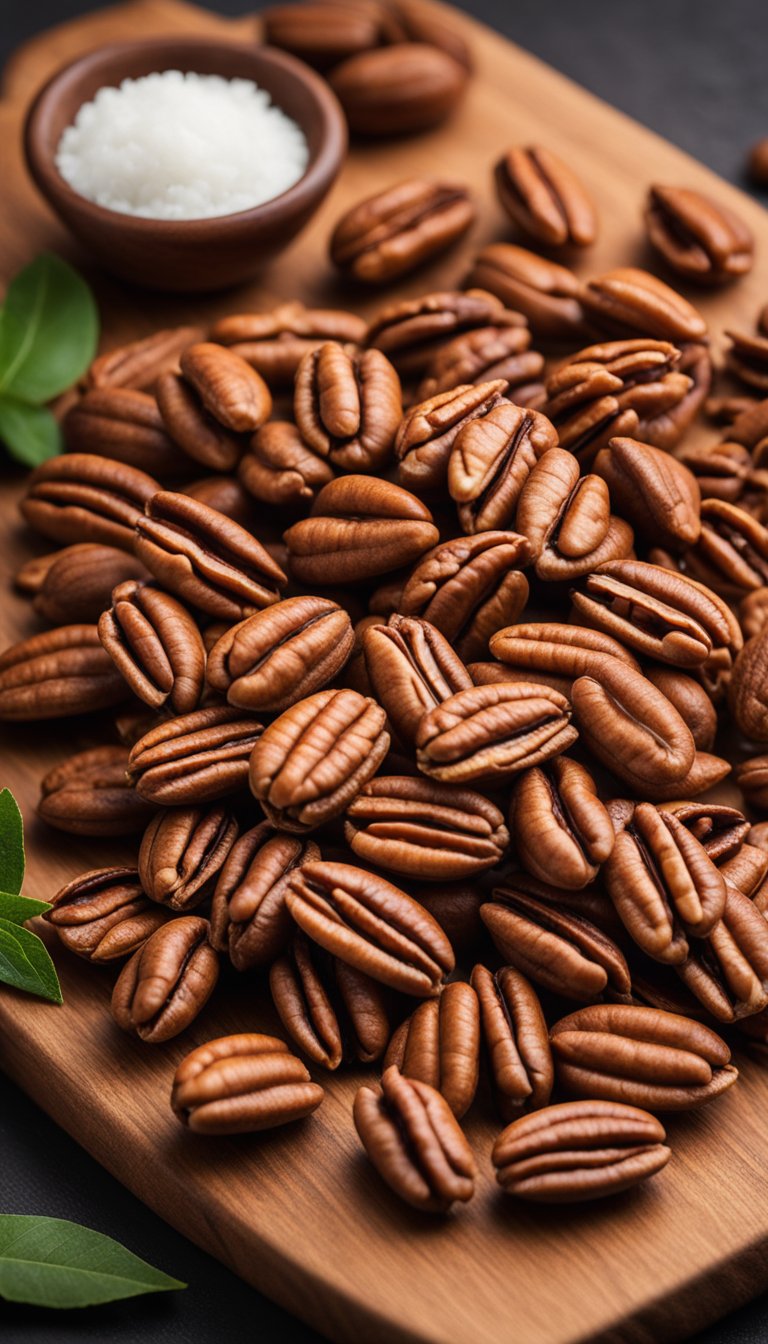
{"x": 320, "y": 171}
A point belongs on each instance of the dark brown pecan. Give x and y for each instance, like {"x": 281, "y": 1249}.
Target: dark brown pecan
{"x": 722, "y": 470}
{"x": 281, "y": 655}
{"x": 414, "y": 1142}
{"x": 720, "y": 830}
{"x": 275, "y": 343}
{"x": 490, "y": 461}
{"x": 644, "y": 1056}
{"x": 233, "y": 392}
{"x": 181, "y": 853}
{"x": 421, "y": 829}
{"x": 439, "y": 1044}
{"x": 469, "y": 588}
{"x": 239, "y": 1084}
{"x": 752, "y": 779}
{"x": 90, "y": 794}
{"x": 493, "y": 732}
{"x": 196, "y": 758}
{"x": 138, "y": 363}
{"x": 456, "y": 907}
{"x": 567, "y": 519}
{"x": 731, "y": 555}
{"x": 83, "y": 497}
{"x": 747, "y": 357}
{"x": 125, "y": 425}
{"x": 632, "y": 302}
{"x": 372, "y": 925}
{"x": 395, "y": 90}
{"x": 556, "y": 948}
{"x": 562, "y": 832}
{"x": 205, "y": 558}
{"x": 58, "y": 673}
{"x": 516, "y": 1040}
{"x": 313, "y": 760}
{"x": 544, "y": 197}
{"x": 661, "y": 880}
{"x": 167, "y": 983}
{"x": 632, "y": 728}
{"x": 411, "y": 667}
{"x": 728, "y": 973}
{"x": 249, "y": 917}
{"x": 631, "y": 387}
{"x": 348, "y": 406}
{"x": 549, "y": 648}
{"x": 279, "y": 468}
{"x": 75, "y": 584}
{"x": 190, "y": 425}
{"x": 577, "y": 1151}
{"x": 544, "y": 291}
{"x": 332, "y": 1011}
{"x": 652, "y": 490}
{"x": 104, "y": 915}
{"x": 696, "y": 236}
{"x": 483, "y": 355}
{"x": 412, "y": 332}
{"x": 360, "y": 527}
{"x": 429, "y": 430}
{"x": 156, "y": 646}
{"x": 393, "y": 232}
{"x": 692, "y": 702}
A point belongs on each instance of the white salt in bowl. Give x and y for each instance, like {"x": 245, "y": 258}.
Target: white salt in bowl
{"x": 187, "y": 254}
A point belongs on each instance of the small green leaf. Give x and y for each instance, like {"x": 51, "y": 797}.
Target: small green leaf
{"x": 18, "y": 909}
{"x": 49, "y": 327}
{"x": 25, "y": 963}
{"x": 50, "y": 1262}
{"x": 30, "y": 433}
{"x": 11, "y": 843}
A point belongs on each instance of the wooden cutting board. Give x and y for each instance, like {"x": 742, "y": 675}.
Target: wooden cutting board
{"x": 299, "y": 1213}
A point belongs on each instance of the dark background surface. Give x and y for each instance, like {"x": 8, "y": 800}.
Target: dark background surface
{"x": 694, "y": 70}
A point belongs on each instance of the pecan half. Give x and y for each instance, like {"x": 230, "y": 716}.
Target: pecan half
{"x": 652, "y": 490}
{"x": 138, "y": 363}
{"x": 191, "y": 425}
{"x": 728, "y": 973}
{"x": 58, "y": 673}
{"x": 632, "y": 302}
{"x": 731, "y": 555}
{"x": 234, "y": 393}
{"x": 196, "y": 758}
{"x": 541, "y": 648}
{"x": 491, "y": 459}
{"x": 348, "y": 406}
{"x": 331, "y": 1010}
{"x": 275, "y": 342}
{"x": 278, "y": 467}
{"x": 103, "y": 914}
{"x": 493, "y": 732}
{"x": 398, "y": 89}
{"x": 322, "y": 33}
{"x": 748, "y": 689}
{"x": 562, "y": 832}
{"x": 90, "y": 794}
{"x": 482, "y": 356}
{"x": 125, "y": 425}
{"x": 393, "y": 232}
{"x": 182, "y": 851}
{"x": 249, "y": 916}
{"x": 699, "y": 238}
{"x": 74, "y": 585}
{"x": 429, "y": 430}
{"x": 412, "y": 332}
{"x": 567, "y": 519}
{"x": 168, "y": 982}
{"x": 411, "y": 667}
{"x": 84, "y": 497}
{"x": 752, "y": 779}
{"x": 439, "y": 1044}
{"x": 719, "y": 829}
{"x": 238, "y": 1084}
{"x": 544, "y": 197}
{"x": 747, "y": 357}
{"x": 632, "y": 728}
{"x": 544, "y": 291}
{"x": 156, "y": 646}
{"x": 516, "y": 1040}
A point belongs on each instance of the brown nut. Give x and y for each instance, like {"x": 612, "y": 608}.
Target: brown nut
{"x": 516, "y": 1040}
{"x": 652, "y": 490}
{"x": 348, "y": 406}
{"x": 138, "y": 363}
{"x": 396, "y": 90}
{"x": 155, "y": 645}
{"x": 728, "y": 973}
{"x": 691, "y": 701}
{"x": 241, "y": 1084}
{"x": 249, "y": 916}
{"x": 58, "y": 673}
{"x": 196, "y": 758}
{"x": 491, "y": 459}
{"x": 439, "y": 1044}
{"x": 84, "y": 497}
{"x": 428, "y": 431}
{"x": 322, "y": 33}
{"x": 74, "y": 585}
{"x": 234, "y": 393}
{"x": 280, "y": 469}
{"x": 731, "y": 555}
{"x": 167, "y": 983}
{"x": 748, "y": 689}
{"x": 331, "y": 1010}
{"x": 561, "y": 830}
{"x": 399, "y": 229}
{"x": 226, "y": 495}
{"x": 632, "y": 728}
{"x": 697, "y": 237}
{"x": 567, "y": 519}
{"x": 182, "y": 851}
{"x": 493, "y": 732}
{"x": 544, "y": 291}
{"x": 90, "y": 794}
{"x": 544, "y": 197}
{"x": 720, "y": 830}
{"x": 411, "y": 667}
{"x": 539, "y": 649}
{"x": 275, "y": 343}
{"x": 413, "y": 332}
{"x": 193, "y": 428}
{"x": 125, "y": 425}
{"x": 632, "y": 302}
{"x": 104, "y": 915}
{"x": 484, "y": 355}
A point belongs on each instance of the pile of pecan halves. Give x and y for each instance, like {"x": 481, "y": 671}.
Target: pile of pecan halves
{"x": 418, "y": 647}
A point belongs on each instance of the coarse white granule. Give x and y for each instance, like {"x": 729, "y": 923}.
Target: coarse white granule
{"x": 181, "y": 146}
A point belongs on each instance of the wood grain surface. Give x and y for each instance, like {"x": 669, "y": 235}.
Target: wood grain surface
{"x": 300, "y": 1213}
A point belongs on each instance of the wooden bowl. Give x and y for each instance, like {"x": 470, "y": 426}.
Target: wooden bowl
{"x": 187, "y": 254}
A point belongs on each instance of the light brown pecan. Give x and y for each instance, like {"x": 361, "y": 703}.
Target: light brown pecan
{"x": 125, "y": 425}
{"x": 429, "y": 430}
{"x": 138, "y": 363}
{"x": 196, "y": 758}
{"x": 167, "y": 982}
{"x": 483, "y": 355}
{"x": 439, "y": 1044}
{"x": 279, "y": 468}
{"x": 469, "y": 588}
{"x": 313, "y": 760}
{"x": 75, "y": 585}
{"x": 411, "y": 667}
{"x": 652, "y": 490}
{"x": 233, "y": 392}
{"x": 643, "y": 1056}
{"x": 332, "y": 1011}
{"x": 400, "y": 228}
{"x": 699, "y": 238}
{"x": 632, "y": 302}
{"x": 275, "y": 342}
{"x": 206, "y": 559}
{"x": 561, "y": 830}
{"x": 192, "y": 426}
{"x": 249, "y": 917}
{"x": 399, "y": 89}
{"x": 577, "y": 1151}
{"x": 348, "y": 406}
{"x": 544, "y": 291}
{"x": 84, "y": 497}
{"x": 491, "y": 459}
{"x": 414, "y": 1142}
{"x": 156, "y": 646}
{"x": 412, "y": 332}
{"x": 239, "y": 1084}
{"x": 556, "y": 948}
{"x": 728, "y": 973}
{"x": 567, "y": 519}
{"x": 422, "y": 829}
{"x": 182, "y": 851}
{"x": 516, "y": 1040}
{"x": 360, "y": 527}
{"x": 282, "y": 654}
{"x": 544, "y": 197}
{"x": 493, "y": 732}
{"x": 372, "y": 925}
{"x": 58, "y": 673}
{"x": 90, "y": 794}
{"x": 103, "y": 914}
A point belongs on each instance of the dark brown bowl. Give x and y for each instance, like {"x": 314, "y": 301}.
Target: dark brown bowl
{"x": 187, "y": 254}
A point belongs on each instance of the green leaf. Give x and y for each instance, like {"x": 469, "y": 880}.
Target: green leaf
{"x": 18, "y": 909}
{"x": 30, "y": 433}
{"x": 50, "y": 1262}
{"x": 11, "y": 844}
{"x": 25, "y": 963}
{"x": 49, "y": 327}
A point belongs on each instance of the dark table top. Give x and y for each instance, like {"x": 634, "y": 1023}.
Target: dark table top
{"x": 695, "y": 71}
